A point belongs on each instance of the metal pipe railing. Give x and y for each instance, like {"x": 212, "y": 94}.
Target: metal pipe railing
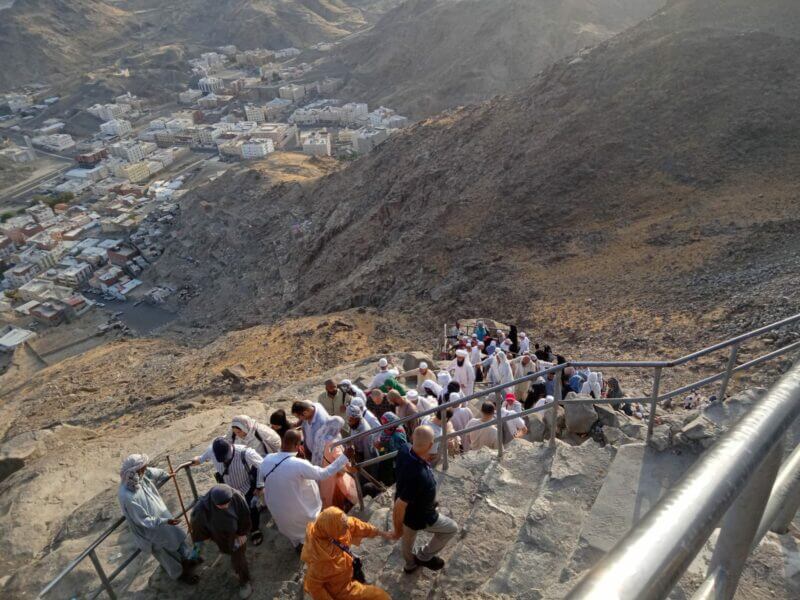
{"x": 91, "y": 554}
{"x": 667, "y": 539}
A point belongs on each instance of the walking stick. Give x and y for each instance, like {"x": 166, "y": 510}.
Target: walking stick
{"x": 180, "y": 498}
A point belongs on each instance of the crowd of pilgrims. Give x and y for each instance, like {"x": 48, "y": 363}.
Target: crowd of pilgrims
{"x": 291, "y": 469}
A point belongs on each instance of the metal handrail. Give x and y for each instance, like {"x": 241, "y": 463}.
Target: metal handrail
{"x": 664, "y": 543}
{"x": 653, "y": 399}
{"x": 90, "y": 551}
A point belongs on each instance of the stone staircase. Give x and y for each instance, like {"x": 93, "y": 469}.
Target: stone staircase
{"x": 530, "y": 525}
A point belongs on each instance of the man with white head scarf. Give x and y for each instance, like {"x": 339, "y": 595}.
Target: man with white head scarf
{"x": 524, "y": 343}
{"x": 382, "y": 375}
{"x": 520, "y": 367}
{"x": 352, "y": 391}
{"x": 422, "y": 373}
{"x": 149, "y": 520}
{"x": 249, "y": 432}
{"x": 463, "y": 372}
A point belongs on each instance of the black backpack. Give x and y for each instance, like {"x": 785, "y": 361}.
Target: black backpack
{"x": 252, "y": 472}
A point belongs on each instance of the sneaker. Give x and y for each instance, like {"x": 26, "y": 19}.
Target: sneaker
{"x": 434, "y": 564}
{"x": 245, "y": 591}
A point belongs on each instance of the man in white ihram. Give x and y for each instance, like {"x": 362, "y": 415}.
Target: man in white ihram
{"x": 290, "y": 489}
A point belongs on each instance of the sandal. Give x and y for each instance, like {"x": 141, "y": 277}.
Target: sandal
{"x": 256, "y": 538}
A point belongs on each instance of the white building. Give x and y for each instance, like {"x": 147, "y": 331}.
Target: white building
{"x": 189, "y": 96}
{"x": 286, "y": 53}
{"x": 108, "y": 112}
{"x": 317, "y": 143}
{"x": 367, "y": 138}
{"x": 74, "y": 275}
{"x": 257, "y": 148}
{"x": 116, "y": 127}
{"x": 58, "y": 142}
{"x": 213, "y": 61}
{"x": 210, "y": 84}
{"x": 292, "y": 92}
{"x": 255, "y": 113}
{"x": 130, "y": 150}
{"x": 18, "y": 102}
{"x": 281, "y": 134}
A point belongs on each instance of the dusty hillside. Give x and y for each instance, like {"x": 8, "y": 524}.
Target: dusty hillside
{"x": 640, "y": 184}
{"x": 429, "y": 55}
{"x": 43, "y": 39}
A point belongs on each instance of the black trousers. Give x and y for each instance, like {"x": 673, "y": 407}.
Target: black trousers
{"x": 255, "y": 511}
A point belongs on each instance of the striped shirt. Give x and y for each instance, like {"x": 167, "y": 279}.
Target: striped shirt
{"x": 238, "y": 476}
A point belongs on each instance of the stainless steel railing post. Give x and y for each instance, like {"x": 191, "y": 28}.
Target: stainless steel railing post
{"x": 554, "y": 409}
{"x": 740, "y": 524}
{"x": 192, "y": 485}
{"x": 498, "y": 404}
{"x": 728, "y": 371}
{"x": 785, "y": 495}
{"x": 444, "y": 442}
{"x": 653, "y": 402}
{"x": 102, "y": 574}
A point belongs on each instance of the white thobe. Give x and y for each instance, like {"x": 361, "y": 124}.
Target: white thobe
{"x": 513, "y": 425}
{"x": 524, "y": 345}
{"x": 380, "y": 379}
{"x": 465, "y": 376}
{"x": 291, "y": 492}
{"x": 461, "y": 416}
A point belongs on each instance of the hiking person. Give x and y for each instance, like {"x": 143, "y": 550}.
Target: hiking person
{"x": 333, "y": 572}
{"x": 223, "y": 515}
{"x": 249, "y": 432}
{"x": 333, "y": 398}
{"x": 236, "y": 466}
{"x": 312, "y": 416}
{"x": 149, "y": 520}
{"x": 463, "y": 372}
{"x": 290, "y": 489}
{"x": 422, "y": 373}
{"x": 481, "y": 438}
{"x": 415, "y": 506}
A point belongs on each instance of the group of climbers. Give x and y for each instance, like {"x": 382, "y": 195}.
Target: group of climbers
{"x": 298, "y": 473}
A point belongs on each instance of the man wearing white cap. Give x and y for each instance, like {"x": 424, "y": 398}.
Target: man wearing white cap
{"x": 382, "y": 375}
{"x": 422, "y": 373}
{"x": 463, "y": 372}
{"x": 524, "y": 343}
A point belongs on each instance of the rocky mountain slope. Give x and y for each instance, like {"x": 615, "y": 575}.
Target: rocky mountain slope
{"x": 43, "y": 39}
{"x": 429, "y": 55}
{"x": 627, "y": 186}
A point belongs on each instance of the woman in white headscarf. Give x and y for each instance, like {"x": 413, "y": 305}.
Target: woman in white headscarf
{"x": 249, "y": 432}
{"x": 500, "y": 372}
{"x": 340, "y": 489}
{"x": 149, "y": 520}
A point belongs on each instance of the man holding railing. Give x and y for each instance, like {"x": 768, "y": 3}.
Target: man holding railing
{"x": 149, "y": 519}
{"x": 415, "y": 504}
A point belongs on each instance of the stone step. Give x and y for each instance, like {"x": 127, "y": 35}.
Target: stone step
{"x": 550, "y": 531}
{"x": 637, "y": 479}
{"x": 499, "y": 510}
{"x": 456, "y": 492}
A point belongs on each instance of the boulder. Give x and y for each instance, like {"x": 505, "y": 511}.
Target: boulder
{"x": 536, "y": 428}
{"x": 699, "y": 429}
{"x": 547, "y": 417}
{"x": 236, "y": 373}
{"x": 411, "y": 360}
{"x": 616, "y": 437}
{"x": 660, "y": 438}
{"x": 579, "y": 417}
{"x": 635, "y": 429}
{"x": 607, "y": 415}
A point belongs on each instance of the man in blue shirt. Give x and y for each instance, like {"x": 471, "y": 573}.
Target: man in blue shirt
{"x": 415, "y": 504}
